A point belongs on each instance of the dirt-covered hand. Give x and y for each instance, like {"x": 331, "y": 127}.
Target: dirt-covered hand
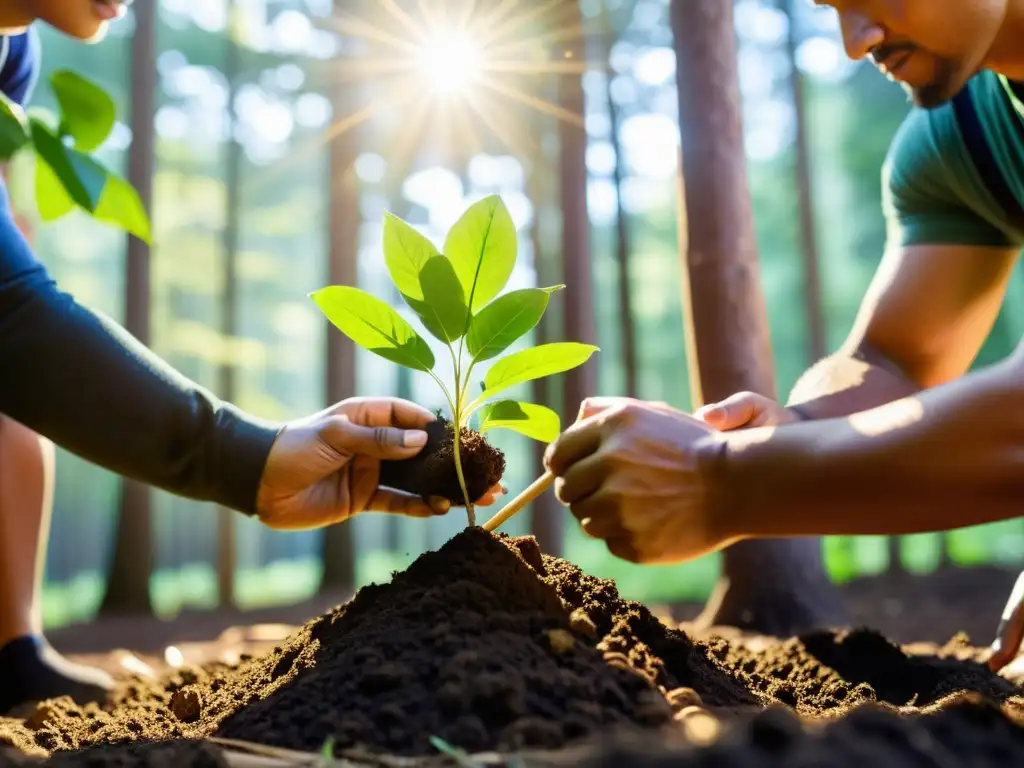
{"x": 745, "y": 410}
{"x": 640, "y": 476}
{"x": 325, "y": 469}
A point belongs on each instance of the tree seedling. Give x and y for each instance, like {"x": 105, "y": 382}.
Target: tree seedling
{"x": 455, "y": 294}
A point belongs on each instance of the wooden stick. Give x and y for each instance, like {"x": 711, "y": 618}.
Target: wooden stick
{"x": 538, "y": 487}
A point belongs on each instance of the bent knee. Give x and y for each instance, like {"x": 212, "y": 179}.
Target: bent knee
{"x": 15, "y": 436}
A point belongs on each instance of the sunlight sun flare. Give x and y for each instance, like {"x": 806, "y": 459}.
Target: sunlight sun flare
{"x": 451, "y": 62}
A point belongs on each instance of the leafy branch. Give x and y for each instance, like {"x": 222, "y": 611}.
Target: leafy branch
{"x": 455, "y": 295}
{"x": 67, "y": 176}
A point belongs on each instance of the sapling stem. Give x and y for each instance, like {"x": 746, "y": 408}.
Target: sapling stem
{"x": 456, "y": 407}
{"x": 470, "y": 512}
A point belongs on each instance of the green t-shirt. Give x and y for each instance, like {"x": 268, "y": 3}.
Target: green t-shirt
{"x": 932, "y": 191}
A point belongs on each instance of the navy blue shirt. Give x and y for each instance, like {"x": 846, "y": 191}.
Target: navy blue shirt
{"x": 81, "y": 380}
{"x": 19, "y": 65}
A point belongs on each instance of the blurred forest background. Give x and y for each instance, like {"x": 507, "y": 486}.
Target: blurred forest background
{"x": 268, "y": 170}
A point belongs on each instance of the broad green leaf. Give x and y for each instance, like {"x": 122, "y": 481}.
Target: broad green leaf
{"x": 406, "y": 252}
{"x": 87, "y": 111}
{"x": 482, "y": 248}
{"x": 443, "y": 307}
{"x": 374, "y": 326}
{"x": 14, "y": 133}
{"x": 52, "y": 199}
{"x": 81, "y": 176}
{"x": 535, "y": 363}
{"x": 505, "y": 320}
{"x": 534, "y": 421}
{"x": 121, "y": 206}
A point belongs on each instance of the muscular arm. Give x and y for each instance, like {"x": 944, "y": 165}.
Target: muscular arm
{"x": 922, "y": 323}
{"x": 945, "y": 458}
{"x": 81, "y": 380}
{"x": 939, "y": 287}
{"x": 906, "y": 441}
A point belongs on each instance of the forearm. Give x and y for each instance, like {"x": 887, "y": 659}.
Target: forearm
{"x": 848, "y": 382}
{"x": 947, "y": 458}
{"x": 85, "y": 383}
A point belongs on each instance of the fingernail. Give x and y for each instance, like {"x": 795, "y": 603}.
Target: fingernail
{"x": 439, "y": 504}
{"x": 414, "y": 438}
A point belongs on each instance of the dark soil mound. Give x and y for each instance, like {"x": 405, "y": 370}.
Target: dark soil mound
{"x": 160, "y": 754}
{"x": 432, "y": 471}
{"x": 489, "y": 645}
{"x": 825, "y": 671}
{"x": 484, "y": 643}
{"x": 968, "y": 733}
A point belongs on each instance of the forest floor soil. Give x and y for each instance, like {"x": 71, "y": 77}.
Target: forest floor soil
{"x": 493, "y": 647}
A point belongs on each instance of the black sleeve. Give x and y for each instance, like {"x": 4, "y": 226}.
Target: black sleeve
{"x": 81, "y": 380}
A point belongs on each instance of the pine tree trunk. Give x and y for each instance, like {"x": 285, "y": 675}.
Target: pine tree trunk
{"x": 128, "y": 578}
{"x": 337, "y": 548}
{"x": 771, "y": 586}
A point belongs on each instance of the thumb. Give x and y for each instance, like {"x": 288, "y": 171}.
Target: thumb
{"x": 731, "y": 413}
{"x": 350, "y": 439}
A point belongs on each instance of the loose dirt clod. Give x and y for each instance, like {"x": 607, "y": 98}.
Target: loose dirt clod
{"x": 581, "y": 623}
{"x": 432, "y": 472}
{"x": 459, "y": 646}
{"x": 187, "y": 704}
{"x": 560, "y": 641}
{"x": 680, "y": 698}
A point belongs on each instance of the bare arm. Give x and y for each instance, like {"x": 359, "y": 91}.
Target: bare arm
{"x": 946, "y": 458}
{"x": 923, "y": 321}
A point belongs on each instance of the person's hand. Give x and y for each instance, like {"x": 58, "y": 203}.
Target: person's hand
{"x": 641, "y": 476}
{"x": 326, "y": 468}
{"x": 1010, "y": 633}
{"x": 745, "y": 410}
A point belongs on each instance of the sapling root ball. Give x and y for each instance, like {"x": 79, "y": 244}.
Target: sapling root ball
{"x": 432, "y": 471}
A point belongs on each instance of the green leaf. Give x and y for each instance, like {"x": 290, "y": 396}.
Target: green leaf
{"x": 52, "y": 199}
{"x": 87, "y": 111}
{"x": 406, "y": 252}
{"x": 82, "y": 177}
{"x": 374, "y": 326}
{"x": 535, "y": 363}
{"x": 534, "y": 421}
{"x": 443, "y": 306}
{"x": 327, "y": 750}
{"x": 14, "y": 132}
{"x": 482, "y": 248}
{"x": 505, "y": 320}
{"x": 121, "y": 206}
{"x": 460, "y": 756}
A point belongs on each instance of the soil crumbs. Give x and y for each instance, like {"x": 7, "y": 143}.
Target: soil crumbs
{"x": 490, "y": 645}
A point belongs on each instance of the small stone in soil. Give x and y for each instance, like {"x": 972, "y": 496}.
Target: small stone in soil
{"x": 582, "y": 624}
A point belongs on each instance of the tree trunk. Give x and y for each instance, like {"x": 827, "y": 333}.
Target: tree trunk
{"x": 546, "y": 516}
{"x": 344, "y": 219}
{"x": 128, "y": 579}
{"x": 579, "y": 383}
{"x": 771, "y": 586}
{"x": 817, "y": 338}
{"x": 578, "y": 302}
{"x": 226, "y": 545}
{"x": 622, "y": 240}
